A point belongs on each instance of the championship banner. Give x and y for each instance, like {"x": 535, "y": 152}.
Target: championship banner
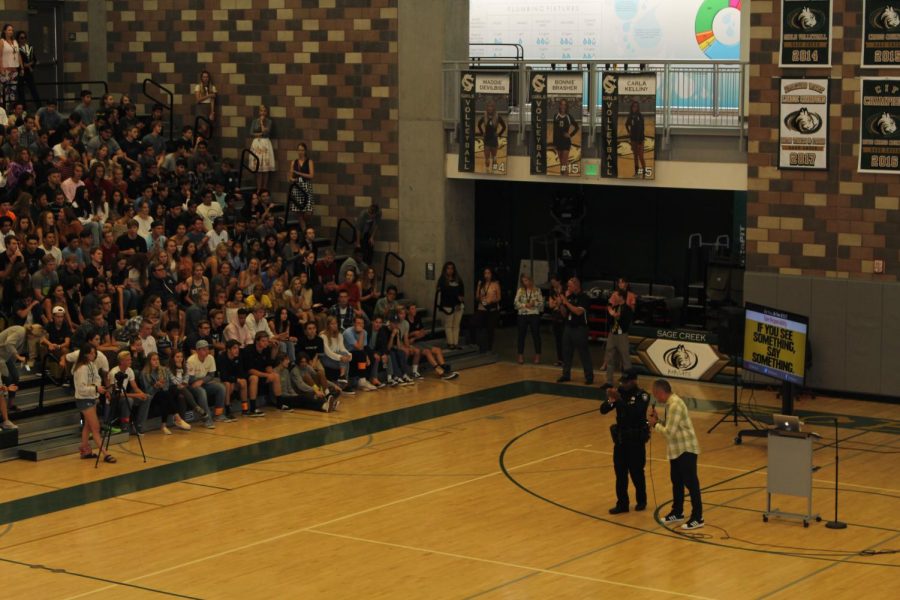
{"x": 467, "y": 96}
{"x": 806, "y": 33}
{"x": 491, "y": 104}
{"x": 629, "y": 125}
{"x": 539, "y": 124}
{"x": 881, "y": 26}
{"x": 879, "y": 145}
{"x": 803, "y": 119}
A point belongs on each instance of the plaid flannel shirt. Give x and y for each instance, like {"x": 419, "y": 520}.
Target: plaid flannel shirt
{"x": 678, "y": 429}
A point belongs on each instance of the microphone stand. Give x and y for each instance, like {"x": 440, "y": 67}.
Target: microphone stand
{"x": 835, "y": 524}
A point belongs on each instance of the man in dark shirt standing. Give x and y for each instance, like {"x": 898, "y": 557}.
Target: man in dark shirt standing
{"x": 574, "y": 304}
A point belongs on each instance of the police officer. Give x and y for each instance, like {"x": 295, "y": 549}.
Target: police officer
{"x": 629, "y": 434}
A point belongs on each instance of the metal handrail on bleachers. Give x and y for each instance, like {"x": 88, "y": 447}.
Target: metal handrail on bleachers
{"x": 339, "y": 235}
{"x": 246, "y": 167}
{"x": 389, "y": 270}
{"x": 61, "y": 87}
{"x": 168, "y": 104}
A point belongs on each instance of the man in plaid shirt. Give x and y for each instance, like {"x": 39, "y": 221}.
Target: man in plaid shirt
{"x": 682, "y": 449}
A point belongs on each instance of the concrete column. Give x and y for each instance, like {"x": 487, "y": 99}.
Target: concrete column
{"x": 437, "y": 215}
{"x": 97, "y": 60}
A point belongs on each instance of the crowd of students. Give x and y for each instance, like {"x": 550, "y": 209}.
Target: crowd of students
{"x": 120, "y": 246}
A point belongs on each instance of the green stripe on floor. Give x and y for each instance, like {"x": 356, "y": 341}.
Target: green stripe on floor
{"x": 127, "y": 483}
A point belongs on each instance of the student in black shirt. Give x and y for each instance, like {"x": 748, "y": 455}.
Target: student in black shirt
{"x": 131, "y": 243}
{"x": 257, "y": 361}
{"x": 233, "y": 375}
{"x": 312, "y": 345}
{"x": 574, "y": 305}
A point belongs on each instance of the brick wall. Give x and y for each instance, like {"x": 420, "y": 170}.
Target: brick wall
{"x": 327, "y": 69}
{"x": 833, "y": 223}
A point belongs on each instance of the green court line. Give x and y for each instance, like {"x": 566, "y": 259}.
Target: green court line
{"x": 173, "y": 472}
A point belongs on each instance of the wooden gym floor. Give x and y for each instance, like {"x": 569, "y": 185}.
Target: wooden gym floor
{"x": 492, "y": 486}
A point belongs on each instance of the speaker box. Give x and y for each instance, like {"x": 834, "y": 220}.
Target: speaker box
{"x": 730, "y": 330}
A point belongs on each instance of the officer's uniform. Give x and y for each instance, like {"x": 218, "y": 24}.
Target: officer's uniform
{"x": 630, "y": 434}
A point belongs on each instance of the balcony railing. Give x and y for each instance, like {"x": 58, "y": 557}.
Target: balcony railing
{"x": 698, "y": 95}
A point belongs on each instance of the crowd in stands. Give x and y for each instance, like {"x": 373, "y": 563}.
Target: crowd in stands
{"x": 124, "y": 253}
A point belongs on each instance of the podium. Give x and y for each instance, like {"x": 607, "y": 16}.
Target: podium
{"x": 790, "y": 472}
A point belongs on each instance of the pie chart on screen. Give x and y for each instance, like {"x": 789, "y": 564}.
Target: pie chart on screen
{"x": 718, "y": 29}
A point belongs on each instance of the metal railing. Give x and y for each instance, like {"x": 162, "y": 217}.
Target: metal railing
{"x": 98, "y": 89}
{"x": 690, "y": 95}
{"x": 168, "y": 104}
{"x": 339, "y": 235}
{"x": 246, "y": 167}
{"x": 388, "y": 269}
{"x": 207, "y": 131}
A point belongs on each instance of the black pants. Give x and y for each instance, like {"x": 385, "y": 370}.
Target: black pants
{"x": 305, "y": 400}
{"x": 629, "y": 459}
{"x": 576, "y": 338}
{"x": 484, "y": 322}
{"x": 27, "y": 80}
{"x": 683, "y": 471}
{"x": 558, "y": 338}
{"x": 526, "y": 323}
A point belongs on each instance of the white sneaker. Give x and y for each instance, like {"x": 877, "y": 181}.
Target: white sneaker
{"x": 165, "y": 430}
{"x": 8, "y": 425}
{"x": 693, "y": 524}
{"x": 407, "y": 380}
{"x": 180, "y": 424}
{"x": 365, "y": 385}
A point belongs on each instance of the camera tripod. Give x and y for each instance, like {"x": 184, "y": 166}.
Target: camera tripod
{"x": 112, "y": 419}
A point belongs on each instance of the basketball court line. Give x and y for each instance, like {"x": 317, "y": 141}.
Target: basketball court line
{"x": 754, "y": 471}
{"x": 309, "y": 528}
{"x": 534, "y": 570}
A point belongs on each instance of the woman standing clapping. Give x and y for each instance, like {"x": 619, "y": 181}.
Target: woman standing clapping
{"x": 529, "y": 304}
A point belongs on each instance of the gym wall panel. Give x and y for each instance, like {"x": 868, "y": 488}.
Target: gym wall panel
{"x": 828, "y": 334}
{"x": 865, "y": 319}
{"x": 890, "y": 342}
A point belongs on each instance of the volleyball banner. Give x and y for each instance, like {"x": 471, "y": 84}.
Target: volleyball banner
{"x": 806, "y": 33}
{"x": 881, "y": 34}
{"x": 803, "y": 119}
{"x": 467, "y": 122}
{"x": 491, "y": 106}
{"x": 879, "y": 144}
{"x": 556, "y": 113}
{"x": 628, "y": 126}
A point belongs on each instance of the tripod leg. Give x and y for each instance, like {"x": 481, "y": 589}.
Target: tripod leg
{"x": 105, "y": 436}
{"x": 134, "y": 408}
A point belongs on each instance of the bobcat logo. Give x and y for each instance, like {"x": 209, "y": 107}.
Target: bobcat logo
{"x": 803, "y": 121}
{"x": 680, "y": 358}
{"x": 807, "y": 19}
{"x": 886, "y": 18}
{"x": 886, "y": 124}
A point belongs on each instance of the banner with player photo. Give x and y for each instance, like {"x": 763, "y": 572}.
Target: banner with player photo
{"x": 806, "y": 33}
{"x": 491, "y": 106}
{"x": 628, "y": 127}
{"x": 879, "y": 144}
{"x": 556, "y": 112}
{"x": 803, "y": 134}
{"x": 881, "y": 34}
